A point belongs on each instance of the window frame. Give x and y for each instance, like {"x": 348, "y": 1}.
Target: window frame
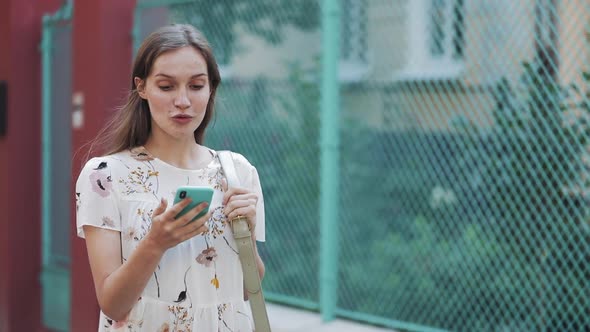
{"x": 421, "y": 63}
{"x": 354, "y": 64}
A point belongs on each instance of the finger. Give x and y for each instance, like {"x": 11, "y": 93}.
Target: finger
{"x": 234, "y": 191}
{"x": 234, "y": 204}
{"x": 197, "y": 225}
{"x": 176, "y": 208}
{"x": 191, "y": 214}
{"x": 239, "y": 203}
{"x": 192, "y": 234}
{"x": 223, "y": 185}
{"x": 246, "y": 211}
{"x": 244, "y": 196}
{"x": 160, "y": 208}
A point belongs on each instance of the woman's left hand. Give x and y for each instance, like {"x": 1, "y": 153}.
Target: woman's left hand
{"x": 240, "y": 202}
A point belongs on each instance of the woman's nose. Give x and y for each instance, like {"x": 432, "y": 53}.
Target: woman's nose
{"x": 181, "y": 101}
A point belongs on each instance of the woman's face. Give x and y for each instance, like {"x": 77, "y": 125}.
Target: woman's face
{"x": 177, "y": 91}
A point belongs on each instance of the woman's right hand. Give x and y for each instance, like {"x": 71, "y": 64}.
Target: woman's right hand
{"x": 167, "y": 231}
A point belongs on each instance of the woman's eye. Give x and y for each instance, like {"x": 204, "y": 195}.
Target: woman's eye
{"x": 165, "y": 87}
{"x": 197, "y": 87}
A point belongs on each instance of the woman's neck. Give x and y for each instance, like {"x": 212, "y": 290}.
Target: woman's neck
{"x": 182, "y": 154}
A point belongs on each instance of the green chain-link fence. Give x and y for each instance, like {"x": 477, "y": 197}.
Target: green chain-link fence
{"x": 463, "y": 156}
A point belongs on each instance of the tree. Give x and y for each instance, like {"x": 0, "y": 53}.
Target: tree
{"x": 264, "y": 18}
{"x": 534, "y": 163}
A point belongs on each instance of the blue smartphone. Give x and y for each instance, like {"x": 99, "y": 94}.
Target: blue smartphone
{"x": 198, "y": 196}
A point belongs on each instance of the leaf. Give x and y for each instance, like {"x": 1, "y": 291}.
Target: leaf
{"x": 102, "y": 165}
{"x": 215, "y": 282}
{"x": 181, "y": 297}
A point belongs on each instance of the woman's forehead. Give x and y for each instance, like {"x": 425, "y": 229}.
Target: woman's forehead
{"x": 182, "y": 62}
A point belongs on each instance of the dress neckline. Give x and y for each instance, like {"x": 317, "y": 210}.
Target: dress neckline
{"x": 140, "y": 153}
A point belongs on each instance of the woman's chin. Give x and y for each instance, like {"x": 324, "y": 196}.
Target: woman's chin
{"x": 184, "y": 135}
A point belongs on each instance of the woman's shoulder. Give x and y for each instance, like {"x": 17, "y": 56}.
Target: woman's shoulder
{"x": 112, "y": 162}
{"x": 240, "y": 161}
{"x": 245, "y": 170}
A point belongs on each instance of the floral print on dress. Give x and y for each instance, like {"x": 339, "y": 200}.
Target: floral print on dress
{"x": 135, "y": 233}
{"x": 102, "y": 183}
{"x": 220, "y": 317}
{"x": 141, "y": 154}
{"x": 140, "y": 180}
{"x": 207, "y": 257}
{"x": 78, "y": 202}
{"x": 215, "y": 282}
{"x": 216, "y": 226}
{"x": 182, "y": 293}
{"x": 123, "y": 325}
{"x": 216, "y": 223}
{"x": 164, "y": 328}
{"x": 213, "y": 176}
{"x": 182, "y": 318}
{"x": 145, "y": 224}
{"x": 108, "y": 222}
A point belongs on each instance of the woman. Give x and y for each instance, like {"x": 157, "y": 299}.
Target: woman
{"x": 153, "y": 272}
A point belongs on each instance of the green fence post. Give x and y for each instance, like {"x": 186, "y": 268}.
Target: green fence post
{"x": 329, "y": 145}
{"x": 54, "y": 277}
{"x": 46, "y": 47}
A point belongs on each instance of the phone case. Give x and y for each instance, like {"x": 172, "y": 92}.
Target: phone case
{"x": 198, "y": 196}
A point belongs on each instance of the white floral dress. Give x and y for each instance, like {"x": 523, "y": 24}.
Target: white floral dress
{"x": 198, "y": 284}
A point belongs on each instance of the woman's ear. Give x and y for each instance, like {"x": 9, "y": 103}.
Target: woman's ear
{"x": 140, "y": 84}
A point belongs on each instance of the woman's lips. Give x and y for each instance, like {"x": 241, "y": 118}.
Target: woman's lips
{"x": 182, "y": 119}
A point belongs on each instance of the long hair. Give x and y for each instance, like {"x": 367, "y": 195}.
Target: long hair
{"x": 131, "y": 124}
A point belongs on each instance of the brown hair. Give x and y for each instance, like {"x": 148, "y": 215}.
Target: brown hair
{"x": 131, "y": 124}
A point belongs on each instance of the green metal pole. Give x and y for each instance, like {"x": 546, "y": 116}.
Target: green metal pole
{"x": 46, "y": 49}
{"x": 136, "y": 30}
{"x": 64, "y": 13}
{"x": 329, "y": 145}
{"x": 54, "y": 278}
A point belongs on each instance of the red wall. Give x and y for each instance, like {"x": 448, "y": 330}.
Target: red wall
{"x": 102, "y": 66}
{"x": 4, "y": 243}
{"x": 20, "y": 199}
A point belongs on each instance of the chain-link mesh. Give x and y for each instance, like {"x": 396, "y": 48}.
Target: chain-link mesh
{"x": 268, "y": 111}
{"x": 464, "y": 154}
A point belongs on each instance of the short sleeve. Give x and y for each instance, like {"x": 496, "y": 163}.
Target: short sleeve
{"x": 249, "y": 178}
{"x": 257, "y": 188}
{"x": 96, "y": 198}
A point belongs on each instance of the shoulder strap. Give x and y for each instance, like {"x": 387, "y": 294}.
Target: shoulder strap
{"x": 227, "y": 163}
{"x": 245, "y": 246}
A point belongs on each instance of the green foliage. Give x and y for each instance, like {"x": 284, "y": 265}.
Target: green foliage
{"x": 503, "y": 247}
{"x": 534, "y": 149}
{"x": 282, "y": 142}
{"x": 220, "y": 19}
{"x": 534, "y": 165}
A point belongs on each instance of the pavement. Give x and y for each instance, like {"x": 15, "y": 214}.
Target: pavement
{"x": 288, "y": 319}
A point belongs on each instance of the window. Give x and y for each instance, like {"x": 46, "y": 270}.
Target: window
{"x": 546, "y": 23}
{"x": 446, "y": 25}
{"x": 546, "y": 36}
{"x": 353, "y": 41}
{"x": 437, "y": 39}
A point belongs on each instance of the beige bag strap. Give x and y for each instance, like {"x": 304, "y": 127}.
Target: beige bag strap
{"x": 245, "y": 248}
